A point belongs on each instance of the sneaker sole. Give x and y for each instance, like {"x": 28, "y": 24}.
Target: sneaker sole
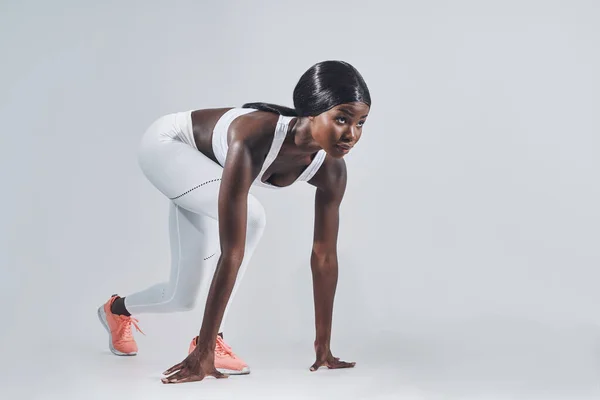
{"x": 102, "y": 318}
{"x": 244, "y": 371}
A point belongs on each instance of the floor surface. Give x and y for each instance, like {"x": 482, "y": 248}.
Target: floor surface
{"x": 437, "y": 363}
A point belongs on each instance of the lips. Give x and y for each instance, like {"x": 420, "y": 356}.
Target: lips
{"x": 344, "y": 147}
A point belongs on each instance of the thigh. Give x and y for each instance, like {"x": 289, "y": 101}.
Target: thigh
{"x": 179, "y": 171}
{"x": 194, "y": 238}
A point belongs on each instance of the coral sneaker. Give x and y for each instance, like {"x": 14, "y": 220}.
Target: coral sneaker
{"x": 226, "y": 361}
{"x": 120, "y": 338}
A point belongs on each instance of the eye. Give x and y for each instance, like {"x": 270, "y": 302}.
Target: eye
{"x": 341, "y": 120}
{"x": 361, "y": 123}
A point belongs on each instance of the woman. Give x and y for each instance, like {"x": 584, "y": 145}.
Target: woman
{"x": 205, "y": 162}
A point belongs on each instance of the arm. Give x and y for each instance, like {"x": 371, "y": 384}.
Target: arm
{"x": 233, "y": 202}
{"x": 238, "y": 175}
{"x": 331, "y": 185}
{"x": 324, "y": 263}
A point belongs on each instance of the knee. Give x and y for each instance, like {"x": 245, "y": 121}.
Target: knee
{"x": 257, "y": 218}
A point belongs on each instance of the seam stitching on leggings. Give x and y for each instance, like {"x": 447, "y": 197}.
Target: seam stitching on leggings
{"x": 194, "y": 188}
{"x": 209, "y": 256}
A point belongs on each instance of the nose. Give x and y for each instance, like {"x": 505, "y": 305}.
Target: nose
{"x": 350, "y": 135}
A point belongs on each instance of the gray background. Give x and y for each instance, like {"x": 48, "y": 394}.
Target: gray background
{"x": 469, "y": 234}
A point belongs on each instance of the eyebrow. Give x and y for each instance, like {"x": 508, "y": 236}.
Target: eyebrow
{"x": 350, "y": 113}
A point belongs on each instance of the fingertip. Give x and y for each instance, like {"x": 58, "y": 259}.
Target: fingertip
{"x": 220, "y": 375}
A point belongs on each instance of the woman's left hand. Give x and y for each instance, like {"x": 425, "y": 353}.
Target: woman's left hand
{"x": 326, "y": 359}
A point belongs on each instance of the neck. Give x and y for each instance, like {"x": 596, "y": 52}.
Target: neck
{"x": 300, "y": 136}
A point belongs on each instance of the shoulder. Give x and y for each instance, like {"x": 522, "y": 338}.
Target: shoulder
{"x": 332, "y": 176}
{"x": 253, "y": 130}
{"x": 253, "y": 125}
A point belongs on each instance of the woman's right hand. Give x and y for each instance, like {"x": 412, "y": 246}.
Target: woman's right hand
{"x": 195, "y": 367}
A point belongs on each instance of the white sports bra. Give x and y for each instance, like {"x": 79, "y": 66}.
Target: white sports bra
{"x": 220, "y": 146}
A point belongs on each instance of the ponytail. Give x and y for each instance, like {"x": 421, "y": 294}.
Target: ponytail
{"x": 274, "y": 108}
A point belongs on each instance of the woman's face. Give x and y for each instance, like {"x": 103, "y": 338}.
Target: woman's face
{"x": 339, "y": 129}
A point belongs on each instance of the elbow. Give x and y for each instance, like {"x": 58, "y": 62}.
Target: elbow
{"x": 323, "y": 260}
{"x": 232, "y": 259}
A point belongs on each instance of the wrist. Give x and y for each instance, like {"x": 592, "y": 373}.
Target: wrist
{"x": 205, "y": 346}
{"x": 321, "y": 343}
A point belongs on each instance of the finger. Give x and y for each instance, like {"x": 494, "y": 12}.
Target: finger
{"x": 316, "y": 365}
{"x": 173, "y": 369}
{"x": 175, "y": 377}
{"x": 178, "y": 377}
{"x": 342, "y": 364}
{"x": 219, "y": 375}
{"x": 189, "y": 378}
{"x": 170, "y": 379}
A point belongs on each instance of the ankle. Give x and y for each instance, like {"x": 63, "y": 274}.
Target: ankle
{"x": 118, "y": 307}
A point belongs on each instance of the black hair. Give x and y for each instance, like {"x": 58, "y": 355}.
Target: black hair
{"x": 322, "y": 87}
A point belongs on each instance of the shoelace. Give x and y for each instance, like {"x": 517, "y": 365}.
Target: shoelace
{"x": 126, "y": 323}
{"x": 223, "y": 349}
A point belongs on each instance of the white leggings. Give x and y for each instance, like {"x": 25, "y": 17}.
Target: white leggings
{"x": 172, "y": 163}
